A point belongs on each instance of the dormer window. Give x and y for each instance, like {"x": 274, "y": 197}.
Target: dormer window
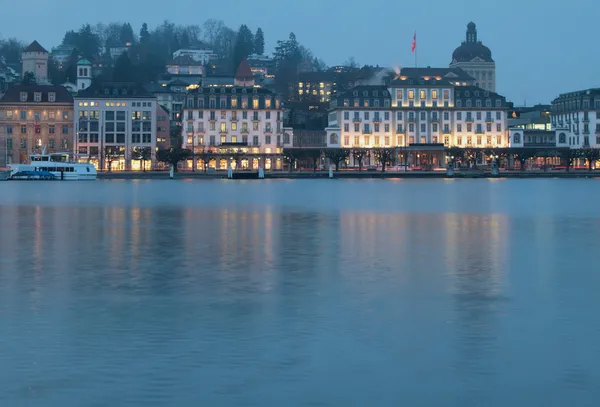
{"x": 107, "y": 91}
{"x": 23, "y": 97}
{"x": 355, "y": 93}
{"x": 37, "y": 97}
{"x": 51, "y": 97}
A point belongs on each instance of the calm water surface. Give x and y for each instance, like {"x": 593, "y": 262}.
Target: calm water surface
{"x": 300, "y": 293}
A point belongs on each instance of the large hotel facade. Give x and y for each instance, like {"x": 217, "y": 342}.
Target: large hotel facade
{"x": 422, "y": 113}
{"x": 239, "y": 126}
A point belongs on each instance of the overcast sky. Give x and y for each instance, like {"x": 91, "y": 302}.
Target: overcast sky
{"x": 541, "y": 48}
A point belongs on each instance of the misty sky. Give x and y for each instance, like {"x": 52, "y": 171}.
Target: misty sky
{"x": 541, "y": 48}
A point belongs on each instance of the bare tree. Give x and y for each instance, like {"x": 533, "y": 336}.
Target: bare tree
{"x": 212, "y": 30}
{"x": 359, "y": 155}
{"x": 384, "y": 156}
{"x": 337, "y": 155}
{"x": 591, "y": 155}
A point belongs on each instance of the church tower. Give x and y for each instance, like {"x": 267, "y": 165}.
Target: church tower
{"x": 84, "y": 74}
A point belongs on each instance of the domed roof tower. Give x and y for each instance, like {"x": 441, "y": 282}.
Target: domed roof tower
{"x": 476, "y": 59}
{"x": 471, "y": 48}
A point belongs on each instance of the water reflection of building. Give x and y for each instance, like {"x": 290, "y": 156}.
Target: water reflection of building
{"x": 476, "y": 253}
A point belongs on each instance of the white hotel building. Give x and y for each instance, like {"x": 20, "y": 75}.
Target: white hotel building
{"x": 115, "y": 117}
{"x": 423, "y": 114}
{"x": 241, "y": 126}
{"x": 575, "y": 119}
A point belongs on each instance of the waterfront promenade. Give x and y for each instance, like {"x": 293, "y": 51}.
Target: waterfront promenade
{"x": 352, "y": 174}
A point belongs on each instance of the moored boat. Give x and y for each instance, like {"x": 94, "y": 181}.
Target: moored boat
{"x": 58, "y": 165}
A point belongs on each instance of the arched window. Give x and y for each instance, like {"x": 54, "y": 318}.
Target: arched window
{"x": 517, "y": 138}
{"x": 80, "y": 71}
{"x": 85, "y": 72}
{"x": 562, "y": 138}
{"x": 333, "y": 139}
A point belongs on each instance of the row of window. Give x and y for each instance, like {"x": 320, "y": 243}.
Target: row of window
{"x": 575, "y": 105}
{"x": 38, "y": 129}
{"x": 423, "y": 115}
{"x": 411, "y": 128}
{"x": 37, "y": 97}
{"x": 378, "y": 140}
{"x": 212, "y": 115}
{"x": 37, "y": 143}
{"x": 232, "y": 102}
{"x": 111, "y": 115}
{"x": 234, "y": 127}
{"x": 199, "y": 140}
{"x": 37, "y": 116}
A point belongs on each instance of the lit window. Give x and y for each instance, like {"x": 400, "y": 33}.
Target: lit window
{"x": 423, "y": 95}
{"x": 255, "y": 103}
{"x": 411, "y": 94}
{"x": 434, "y": 94}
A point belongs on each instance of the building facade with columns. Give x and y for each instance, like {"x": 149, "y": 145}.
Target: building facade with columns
{"x": 34, "y": 117}
{"x": 111, "y": 120}
{"x": 423, "y": 115}
{"x": 239, "y": 126}
{"x": 476, "y": 60}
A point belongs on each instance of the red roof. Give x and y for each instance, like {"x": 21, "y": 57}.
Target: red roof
{"x": 244, "y": 72}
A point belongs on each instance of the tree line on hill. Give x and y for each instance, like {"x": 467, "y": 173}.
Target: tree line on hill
{"x": 149, "y": 50}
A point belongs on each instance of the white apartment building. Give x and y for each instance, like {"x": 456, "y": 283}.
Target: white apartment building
{"x": 575, "y": 118}
{"x": 240, "y": 125}
{"x": 110, "y": 120}
{"x": 422, "y": 114}
{"x": 203, "y": 56}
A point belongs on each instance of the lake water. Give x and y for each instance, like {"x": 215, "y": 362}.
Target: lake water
{"x": 300, "y": 293}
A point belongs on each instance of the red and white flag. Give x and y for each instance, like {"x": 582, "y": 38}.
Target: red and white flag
{"x": 414, "y": 43}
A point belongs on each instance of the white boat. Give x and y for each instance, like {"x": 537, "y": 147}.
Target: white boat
{"x": 58, "y": 164}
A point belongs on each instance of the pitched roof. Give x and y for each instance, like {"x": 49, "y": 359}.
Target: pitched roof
{"x": 451, "y": 74}
{"x": 115, "y": 90}
{"x": 13, "y": 94}
{"x": 83, "y": 61}
{"x": 244, "y": 71}
{"x": 35, "y": 47}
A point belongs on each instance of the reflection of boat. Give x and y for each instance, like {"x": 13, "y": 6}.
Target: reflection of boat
{"x": 58, "y": 165}
{"x": 33, "y": 175}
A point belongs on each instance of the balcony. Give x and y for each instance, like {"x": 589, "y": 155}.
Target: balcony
{"x": 244, "y": 131}
{"x": 367, "y": 132}
{"x": 469, "y": 120}
{"x": 356, "y": 120}
{"x": 489, "y": 120}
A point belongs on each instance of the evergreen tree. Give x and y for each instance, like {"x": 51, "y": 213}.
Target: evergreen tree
{"x": 259, "y": 42}
{"x": 127, "y": 35}
{"x": 124, "y": 69}
{"x": 244, "y": 45}
{"x": 28, "y": 78}
{"x": 144, "y": 34}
